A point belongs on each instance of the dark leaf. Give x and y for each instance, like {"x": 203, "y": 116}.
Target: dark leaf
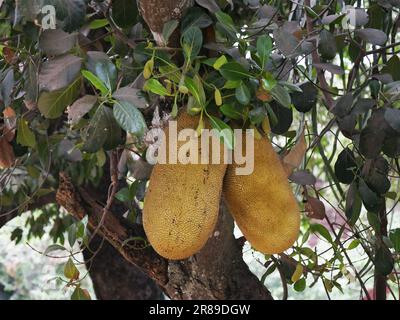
{"x": 369, "y": 198}
{"x": 353, "y": 204}
{"x": 284, "y": 117}
{"x": 347, "y": 125}
{"x": 327, "y": 45}
{"x": 124, "y": 12}
{"x": 303, "y": 178}
{"x": 59, "y": 73}
{"x": 346, "y": 166}
{"x": 393, "y": 68}
{"x": 362, "y": 106}
{"x": 383, "y": 261}
{"x": 315, "y": 208}
{"x": 371, "y": 142}
{"x": 196, "y": 17}
{"x": 102, "y": 130}
{"x": 130, "y": 118}
{"x": 57, "y": 42}
{"x": 53, "y": 104}
{"x": 71, "y": 13}
{"x": 306, "y": 100}
{"x": 392, "y": 117}
{"x": 287, "y": 43}
{"x": 234, "y": 71}
{"x": 80, "y": 108}
{"x": 373, "y": 36}
{"x": 210, "y": 5}
{"x": 334, "y": 69}
{"x": 343, "y": 105}
{"x": 131, "y": 95}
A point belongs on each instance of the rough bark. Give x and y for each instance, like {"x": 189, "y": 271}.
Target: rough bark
{"x": 114, "y": 278}
{"x": 218, "y": 272}
{"x": 156, "y": 13}
{"x": 380, "y": 281}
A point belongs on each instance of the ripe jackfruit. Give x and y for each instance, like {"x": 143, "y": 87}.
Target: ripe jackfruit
{"x": 263, "y": 203}
{"x": 182, "y": 203}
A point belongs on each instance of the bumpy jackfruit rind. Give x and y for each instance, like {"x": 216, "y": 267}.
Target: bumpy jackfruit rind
{"x": 182, "y": 204}
{"x": 263, "y": 203}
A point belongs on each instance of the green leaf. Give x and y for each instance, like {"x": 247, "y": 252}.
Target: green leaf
{"x": 53, "y": 248}
{"x": 96, "y": 82}
{"x": 281, "y": 95}
{"x": 269, "y": 82}
{"x": 53, "y": 104}
{"x": 70, "y": 270}
{"x": 196, "y": 90}
{"x": 354, "y": 244}
{"x": 311, "y": 12}
{"x": 220, "y": 62}
{"x": 101, "y": 65}
{"x": 300, "y": 285}
{"x": 72, "y": 230}
{"x": 353, "y": 204}
{"x": 320, "y": 229}
{"x": 155, "y": 86}
{"x": 169, "y": 29}
{"x": 192, "y": 41}
{"x": 80, "y": 295}
{"x": 98, "y": 24}
{"x": 130, "y": 118}
{"x": 395, "y": 239}
{"x": 231, "y": 112}
{"x": 124, "y": 195}
{"x": 383, "y": 261}
{"x": 243, "y": 94}
{"x": 234, "y": 71}
{"x": 225, "y": 132}
{"x": 226, "y": 20}
{"x": 264, "y": 49}
{"x": 102, "y": 131}
{"x": 25, "y": 136}
{"x": 373, "y": 220}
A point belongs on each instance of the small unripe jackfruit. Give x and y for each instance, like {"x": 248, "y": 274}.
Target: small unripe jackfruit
{"x": 182, "y": 203}
{"x": 263, "y": 203}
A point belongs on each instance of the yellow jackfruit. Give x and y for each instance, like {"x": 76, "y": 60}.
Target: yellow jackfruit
{"x": 263, "y": 203}
{"x": 182, "y": 203}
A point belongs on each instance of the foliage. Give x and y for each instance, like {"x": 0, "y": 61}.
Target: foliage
{"x": 71, "y": 97}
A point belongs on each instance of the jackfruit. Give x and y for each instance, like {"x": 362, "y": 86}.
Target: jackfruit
{"x": 263, "y": 203}
{"x": 182, "y": 202}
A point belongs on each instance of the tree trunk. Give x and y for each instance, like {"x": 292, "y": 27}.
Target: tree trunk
{"x": 217, "y": 272}
{"x": 114, "y": 278}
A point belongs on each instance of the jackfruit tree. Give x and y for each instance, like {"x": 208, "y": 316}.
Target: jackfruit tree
{"x": 86, "y": 85}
